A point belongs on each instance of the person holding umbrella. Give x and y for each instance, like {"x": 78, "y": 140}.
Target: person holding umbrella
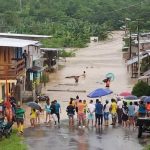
{"x": 107, "y": 82}
{"x": 38, "y": 112}
{"x": 98, "y": 113}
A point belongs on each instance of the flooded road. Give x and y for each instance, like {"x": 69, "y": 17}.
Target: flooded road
{"x": 97, "y": 60}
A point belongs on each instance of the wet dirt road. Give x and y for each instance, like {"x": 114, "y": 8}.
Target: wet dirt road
{"x": 97, "y": 60}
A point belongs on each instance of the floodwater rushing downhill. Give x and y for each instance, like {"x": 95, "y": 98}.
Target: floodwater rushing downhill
{"x": 97, "y": 60}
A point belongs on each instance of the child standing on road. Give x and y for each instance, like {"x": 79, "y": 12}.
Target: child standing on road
{"x": 33, "y": 117}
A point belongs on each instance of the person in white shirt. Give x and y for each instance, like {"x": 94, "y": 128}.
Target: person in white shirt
{"x": 106, "y": 112}
{"x": 91, "y": 110}
{"x": 136, "y": 109}
{"x": 119, "y": 110}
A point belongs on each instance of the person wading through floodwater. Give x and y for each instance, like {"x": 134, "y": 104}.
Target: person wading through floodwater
{"x": 76, "y": 78}
{"x": 107, "y": 82}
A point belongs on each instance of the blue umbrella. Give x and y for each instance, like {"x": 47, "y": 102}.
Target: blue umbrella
{"x": 131, "y": 97}
{"x": 147, "y": 99}
{"x": 142, "y": 98}
{"x": 99, "y": 92}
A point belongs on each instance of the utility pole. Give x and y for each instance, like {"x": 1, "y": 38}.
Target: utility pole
{"x": 138, "y": 38}
{"x": 130, "y": 50}
{"x": 20, "y": 5}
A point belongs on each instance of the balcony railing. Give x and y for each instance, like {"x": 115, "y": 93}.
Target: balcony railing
{"x": 12, "y": 70}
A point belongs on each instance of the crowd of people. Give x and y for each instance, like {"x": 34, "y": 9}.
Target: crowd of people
{"x": 92, "y": 113}
{"x": 96, "y": 113}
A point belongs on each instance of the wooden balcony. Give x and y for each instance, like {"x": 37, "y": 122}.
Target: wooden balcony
{"x": 12, "y": 70}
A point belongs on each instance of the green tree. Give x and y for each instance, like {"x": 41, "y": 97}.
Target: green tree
{"x": 141, "y": 89}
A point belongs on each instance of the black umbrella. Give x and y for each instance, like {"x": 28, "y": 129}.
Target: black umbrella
{"x": 34, "y": 105}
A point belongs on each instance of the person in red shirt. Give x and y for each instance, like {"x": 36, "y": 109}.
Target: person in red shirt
{"x": 107, "y": 82}
{"x": 148, "y": 109}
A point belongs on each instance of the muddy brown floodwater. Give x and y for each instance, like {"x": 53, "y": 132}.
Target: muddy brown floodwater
{"x": 97, "y": 60}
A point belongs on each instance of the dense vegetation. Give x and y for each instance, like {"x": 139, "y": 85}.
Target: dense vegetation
{"x": 70, "y": 22}
{"x": 141, "y": 89}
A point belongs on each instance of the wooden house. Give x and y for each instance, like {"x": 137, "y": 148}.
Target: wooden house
{"x": 12, "y": 63}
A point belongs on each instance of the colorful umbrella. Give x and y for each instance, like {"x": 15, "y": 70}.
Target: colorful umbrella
{"x": 147, "y": 99}
{"x": 99, "y": 92}
{"x": 125, "y": 94}
{"x": 110, "y": 76}
{"x": 131, "y": 97}
{"x": 142, "y": 98}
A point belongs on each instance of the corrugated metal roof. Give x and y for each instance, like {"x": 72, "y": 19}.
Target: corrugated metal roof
{"x": 50, "y": 49}
{"x": 143, "y": 77}
{"x": 135, "y": 59}
{"x": 11, "y": 42}
{"x": 147, "y": 73}
{"x": 142, "y": 41}
{"x": 24, "y": 35}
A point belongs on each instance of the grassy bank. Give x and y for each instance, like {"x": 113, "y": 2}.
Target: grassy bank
{"x": 147, "y": 147}
{"x": 14, "y": 142}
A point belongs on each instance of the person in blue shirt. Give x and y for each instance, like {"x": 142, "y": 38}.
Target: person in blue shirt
{"x": 58, "y": 110}
{"x": 142, "y": 109}
{"x": 98, "y": 113}
{"x": 131, "y": 113}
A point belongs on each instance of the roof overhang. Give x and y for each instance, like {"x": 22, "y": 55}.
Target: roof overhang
{"x": 147, "y": 73}
{"x": 35, "y": 69}
{"x": 143, "y": 77}
{"x": 135, "y": 59}
{"x": 50, "y": 49}
{"x": 11, "y": 42}
{"x": 24, "y": 35}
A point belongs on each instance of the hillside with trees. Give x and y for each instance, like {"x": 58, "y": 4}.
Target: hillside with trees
{"x": 70, "y": 22}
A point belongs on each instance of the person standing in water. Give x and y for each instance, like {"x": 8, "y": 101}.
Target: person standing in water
{"x": 84, "y": 74}
{"x": 76, "y": 78}
{"x": 108, "y": 83}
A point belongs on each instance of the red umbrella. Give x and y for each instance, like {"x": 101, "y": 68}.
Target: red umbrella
{"x": 125, "y": 94}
